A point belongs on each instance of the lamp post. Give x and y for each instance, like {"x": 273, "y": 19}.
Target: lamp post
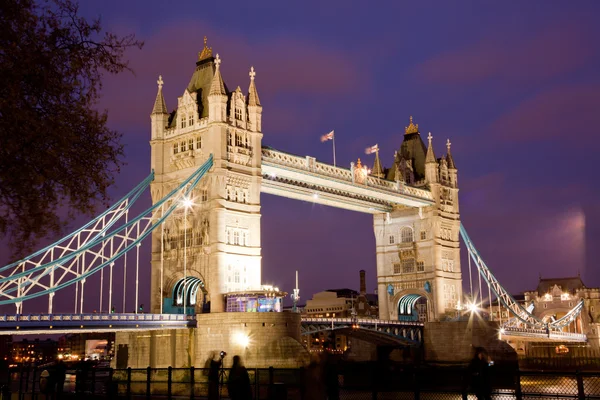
{"x": 296, "y": 295}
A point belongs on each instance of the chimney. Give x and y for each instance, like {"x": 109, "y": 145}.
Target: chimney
{"x": 363, "y": 285}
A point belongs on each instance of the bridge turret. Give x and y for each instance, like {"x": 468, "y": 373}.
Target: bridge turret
{"x": 217, "y": 96}
{"x": 159, "y": 115}
{"x": 431, "y": 173}
{"x": 452, "y": 171}
{"x": 254, "y": 106}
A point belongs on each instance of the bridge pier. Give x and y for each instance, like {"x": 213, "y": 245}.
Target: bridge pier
{"x": 261, "y": 339}
{"x": 455, "y": 341}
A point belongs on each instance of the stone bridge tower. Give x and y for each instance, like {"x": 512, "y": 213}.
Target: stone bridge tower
{"x": 220, "y": 249}
{"x": 418, "y": 254}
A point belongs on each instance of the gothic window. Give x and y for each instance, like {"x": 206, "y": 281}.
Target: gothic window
{"x": 236, "y": 277}
{"x": 423, "y": 235}
{"x": 228, "y": 190}
{"x": 191, "y": 120}
{"x": 397, "y": 268}
{"x": 407, "y": 235}
{"x": 229, "y": 139}
{"x": 183, "y": 124}
{"x": 236, "y": 237}
{"x": 247, "y": 145}
{"x": 238, "y": 113}
{"x": 447, "y": 262}
{"x": 204, "y": 193}
{"x": 191, "y": 144}
{"x": 449, "y": 295}
{"x": 391, "y": 239}
{"x": 245, "y": 196}
{"x": 198, "y": 143}
{"x": 175, "y": 148}
{"x": 182, "y": 147}
{"x": 420, "y": 266}
{"x": 408, "y": 265}
{"x": 239, "y": 141}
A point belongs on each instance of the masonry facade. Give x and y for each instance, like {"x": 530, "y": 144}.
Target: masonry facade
{"x": 417, "y": 249}
{"x": 217, "y": 238}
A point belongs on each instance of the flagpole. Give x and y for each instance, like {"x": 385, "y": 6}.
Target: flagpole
{"x": 334, "y": 148}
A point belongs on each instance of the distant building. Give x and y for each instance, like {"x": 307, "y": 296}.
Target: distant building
{"x": 5, "y": 347}
{"x": 34, "y": 351}
{"x": 554, "y": 298}
{"x": 338, "y": 303}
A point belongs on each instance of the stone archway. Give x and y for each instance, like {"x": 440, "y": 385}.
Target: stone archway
{"x": 191, "y": 290}
{"x": 413, "y": 305}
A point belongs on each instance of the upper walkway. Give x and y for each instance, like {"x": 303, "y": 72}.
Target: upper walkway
{"x": 304, "y": 178}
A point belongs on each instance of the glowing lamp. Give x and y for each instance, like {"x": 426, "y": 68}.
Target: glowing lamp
{"x": 187, "y": 202}
{"x": 242, "y": 339}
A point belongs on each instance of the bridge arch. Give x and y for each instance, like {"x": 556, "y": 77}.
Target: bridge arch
{"x": 192, "y": 289}
{"x": 413, "y": 305}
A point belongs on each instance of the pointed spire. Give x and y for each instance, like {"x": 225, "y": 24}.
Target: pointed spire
{"x": 253, "y": 99}
{"x": 206, "y": 51}
{"x": 160, "y": 107}
{"x": 217, "y": 87}
{"x": 449, "y": 158}
{"x": 430, "y": 157}
{"x": 377, "y": 168}
{"x": 411, "y": 128}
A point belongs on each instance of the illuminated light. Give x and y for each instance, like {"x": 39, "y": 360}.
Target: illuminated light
{"x": 472, "y": 307}
{"x": 273, "y": 175}
{"x": 502, "y": 331}
{"x": 187, "y": 202}
{"x": 315, "y": 196}
{"x": 241, "y": 339}
{"x": 60, "y": 356}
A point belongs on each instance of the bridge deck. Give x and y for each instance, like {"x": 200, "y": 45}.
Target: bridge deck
{"x": 61, "y": 323}
{"x": 303, "y": 178}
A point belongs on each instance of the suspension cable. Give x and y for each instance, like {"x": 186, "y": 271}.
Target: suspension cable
{"x": 125, "y": 264}
{"x": 162, "y": 258}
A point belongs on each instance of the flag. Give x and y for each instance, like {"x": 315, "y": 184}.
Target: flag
{"x": 327, "y": 137}
{"x": 372, "y": 149}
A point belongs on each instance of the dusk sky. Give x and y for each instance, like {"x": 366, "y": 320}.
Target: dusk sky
{"x": 514, "y": 85}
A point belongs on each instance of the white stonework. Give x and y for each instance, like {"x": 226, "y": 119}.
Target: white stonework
{"x": 417, "y": 249}
{"x": 223, "y": 237}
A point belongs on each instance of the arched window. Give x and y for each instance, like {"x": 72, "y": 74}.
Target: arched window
{"x": 191, "y": 120}
{"x": 183, "y": 120}
{"x": 407, "y": 235}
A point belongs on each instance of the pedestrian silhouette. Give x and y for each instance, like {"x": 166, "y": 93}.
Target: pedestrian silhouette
{"x": 60, "y": 372}
{"x": 480, "y": 374}
{"x": 238, "y": 383}
{"x": 213, "y": 377}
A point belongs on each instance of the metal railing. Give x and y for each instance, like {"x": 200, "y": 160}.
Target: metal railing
{"x": 371, "y": 381}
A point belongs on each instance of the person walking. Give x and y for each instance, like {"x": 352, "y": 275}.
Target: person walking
{"x": 479, "y": 369}
{"x": 238, "y": 383}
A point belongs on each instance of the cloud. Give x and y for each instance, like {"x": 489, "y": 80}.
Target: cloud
{"x": 514, "y": 58}
{"x": 287, "y": 69}
{"x": 563, "y": 111}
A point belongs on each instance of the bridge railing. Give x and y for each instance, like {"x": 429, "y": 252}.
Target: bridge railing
{"x": 363, "y": 321}
{"x": 95, "y": 317}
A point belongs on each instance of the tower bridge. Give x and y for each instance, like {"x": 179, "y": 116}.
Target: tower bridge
{"x": 209, "y": 169}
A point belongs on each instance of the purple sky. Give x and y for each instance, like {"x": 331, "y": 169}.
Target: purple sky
{"x": 515, "y": 86}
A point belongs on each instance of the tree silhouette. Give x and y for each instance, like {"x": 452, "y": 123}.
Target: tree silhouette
{"x": 57, "y": 155}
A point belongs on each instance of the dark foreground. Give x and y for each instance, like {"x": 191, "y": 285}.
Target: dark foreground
{"x": 353, "y": 382}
